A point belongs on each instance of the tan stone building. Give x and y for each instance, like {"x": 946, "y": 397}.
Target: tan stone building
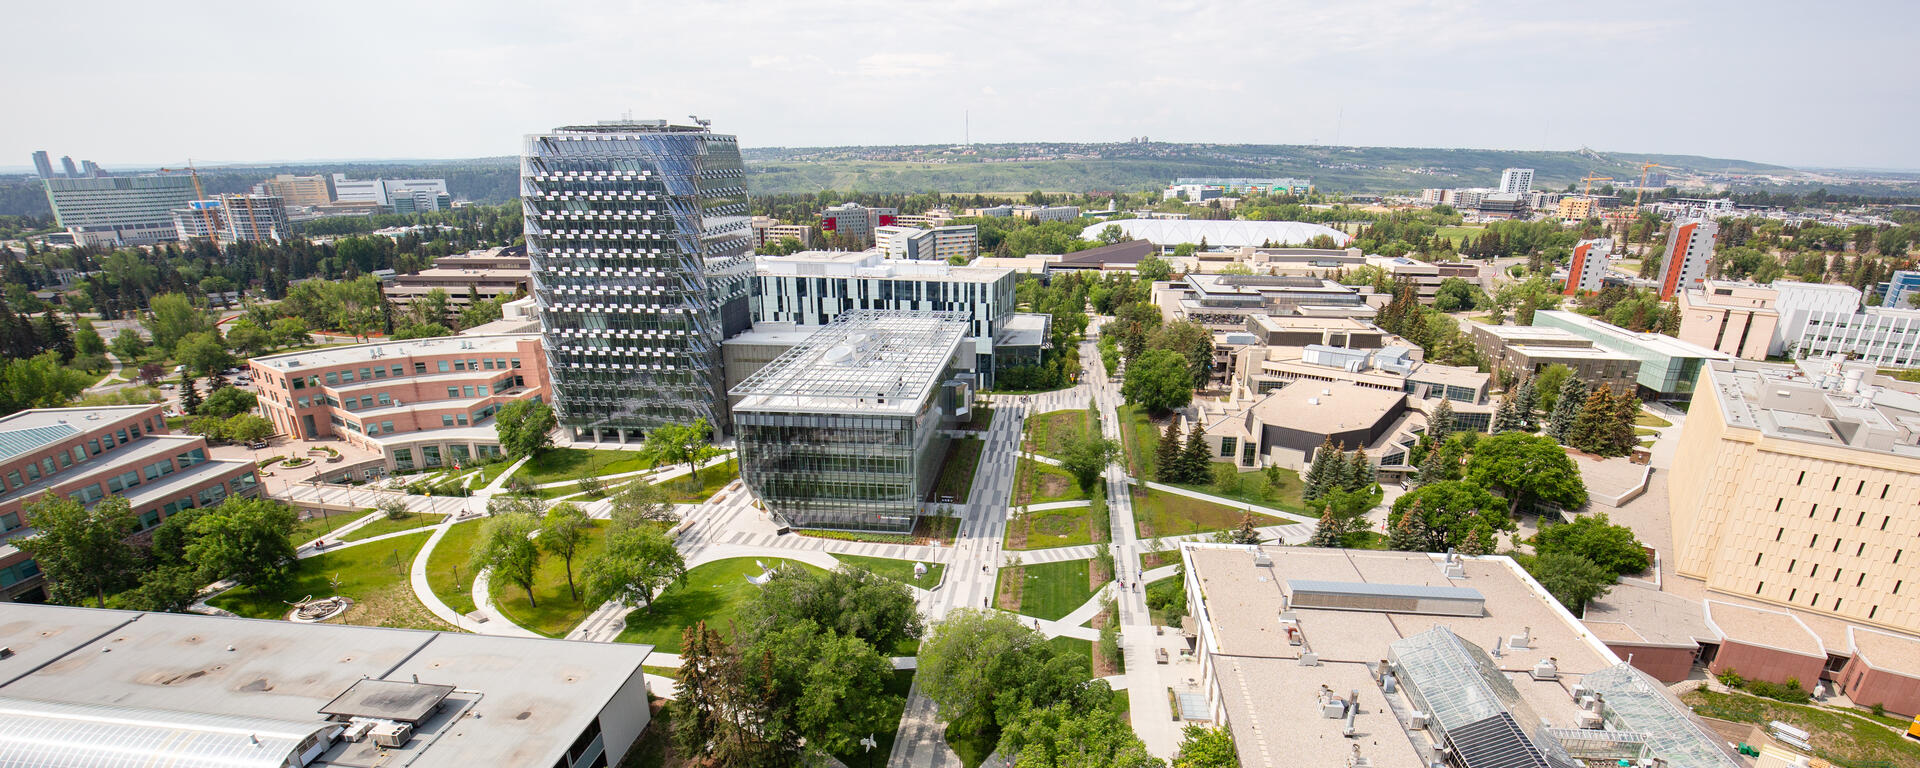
{"x": 1801, "y": 487}
{"x": 1527, "y": 350}
{"x": 1738, "y": 319}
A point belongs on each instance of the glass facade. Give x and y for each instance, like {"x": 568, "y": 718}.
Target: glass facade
{"x": 846, "y": 472}
{"x": 640, "y": 243}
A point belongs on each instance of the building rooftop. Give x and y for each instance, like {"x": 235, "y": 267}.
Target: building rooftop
{"x": 1886, "y": 651}
{"x": 871, "y": 264}
{"x": 1652, "y": 616}
{"x": 1283, "y": 323}
{"x": 1025, "y": 329}
{"x": 1326, "y": 407}
{"x": 865, "y": 361}
{"x": 1536, "y": 351}
{"x": 360, "y": 353}
{"x": 1826, "y": 402}
{"x": 1609, "y": 334}
{"x": 1218, "y": 234}
{"x": 1758, "y": 626}
{"x": 535, "y": 695}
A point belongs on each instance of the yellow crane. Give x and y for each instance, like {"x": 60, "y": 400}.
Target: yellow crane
{"x": 206, "y": 213}
{"x": 1589, "y": 182}
{"x": 1642, "y": 189}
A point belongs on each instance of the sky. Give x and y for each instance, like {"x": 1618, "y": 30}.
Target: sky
{"x": 1805, "y": 84}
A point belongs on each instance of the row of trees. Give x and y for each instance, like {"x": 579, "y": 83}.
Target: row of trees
{"x": 1190, "y": 463}
{"x": 1434, "y": 332}
{"x": 87, "y": 556}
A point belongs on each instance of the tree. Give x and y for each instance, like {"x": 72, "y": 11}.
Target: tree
{"x": 1060, "y": 735}
{"x": 1360, "y": 472}
{"x": 83, "y": 551}
{"x": 172, "y": 317}
{"x": 1408, "y": 532}
{"x": 1246, "y": 533}
{"x": 128, "y": 346}
{"x": 1566, "y": 410}
{"x": 167, "y": 589}
{"x": 39, "y": 382}
{"x": 1591, "y": 427}
{"x": 189, "y": 394}
{"x": 562, "y": 533}
{"x": 1433, "y": 467}
{"x": 637, "y": 564}
{"x": 1456, "y": 295}
{"x": 706, "y": 666}
{"x": 1086, "y": 455}
{"x": 1594, "y": 537}
{"x": 248, "y": 337}
{"x": 202, "y": 353}
{"x": 1570, "y": 578}
{"x": 1450, "y": 511}
{"x": 1527, "y": 470}
{"x": 1320, "y": 474}
{"x": 247, "y": 540}
{"x": 637, "y": 505}
{"x": 822, "y": 687}
{"x": 1133, "y": 324}
{"x": 507, "y": 550}
{"x": 1330, "y": 529}
{"x": 1203, "y": 747}
{"x": 1442, "y": 422}
{"x": 1478, "y": 543}
{"x": 394, "y": 509}
{"x": 850, "y": 601}
{"x": 227, "y": 403}
{"x": 1547, "y": 386}
{"x": 247, "y": 428}
{"x": 1166, "y": 454}
{"x": 1196, "y": 459}
{"x": 1152, "y": 268}
{"x": 1621, "y": 439}
{"x": 87, "y": 341}
{"x": 1506, "y": 418}
{"x": 982, "y": 668}
{"x": 681, "y": 444}
{"x": 289, "y": 331}
{"x": 1158, "y": 381}
{"x": 1525, "y": 400}
{"x": 1193, "y": 342}
{"x": 524, "y": 427}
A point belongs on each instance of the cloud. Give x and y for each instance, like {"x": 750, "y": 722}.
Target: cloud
{"x": 903, "y": 64}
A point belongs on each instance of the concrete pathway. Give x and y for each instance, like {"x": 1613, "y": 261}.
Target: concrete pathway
{"x": 1226, "y": 502}
{"x": 497, "y": 623}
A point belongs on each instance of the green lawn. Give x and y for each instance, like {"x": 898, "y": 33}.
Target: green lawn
{"x": 556, "y": 464}
{"x": 1256, "y": 487}
{"x": 1053, "y": 484}
{"x": 556, "y": 611}
{"x": 1074, "y": 646}
{"x": 1649, "y": 420}
{"x": 1051, "y": 528}
{"x": 447, "y": 571}
{"x": 898, "y": 570}
{"x": 384, "y": 526}
{"x": 681, "y": 490}
{"x": 1051, "y": 590}
{"x": 896, "y": 689}
{"x": 313, "y": 527}
{"x": 1644, "y": 432}
{"x": 1835, "y": 734}
{"x": 712, "y": 592}
{"x": 375, "y": 575}
{"x": 956, "y": 471}
{"x": 973, "y": 748}
{"x": 1158, "y": 513}
{"x": 1138, "y": 438}
{"x": 1456, "y": 234}
{"x": 981, "y": 419}
{"x": 1050, "y": 431}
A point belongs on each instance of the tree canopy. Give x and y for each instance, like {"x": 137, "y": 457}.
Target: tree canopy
{"x": 525, "y": 427}
{"x": 83, "y": 551}
{"x": 1158, "y": 381}
{"x": 1526, "y": 469}
{"x": 1612, "y": 547}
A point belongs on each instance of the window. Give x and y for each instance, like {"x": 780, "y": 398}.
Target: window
{"x": 333, "y": 378}
{"x": 459, "y": 365}
{"x": 65, "y": 462}
{"x": 419, "y": 368}
{"x": 149, "y": 519}
{"x": 9, "y": 521}
{"x": 481, "y": 389}
{"x": 93, "y": 447}
{"x": 385, "y": 399}
{"x": 487, "y": 364}
{"x": 13, "y": 480}
{"x": 33, "y": 472}
{"x": 461, "y": 418}
{"x": 1227, "y": 444}
{"x": 304, "y": 402}
{"x": 123, "y": 481}
{"x": 444, "y": 368}
{"x": 466, "y": 391}
{"x": 516, "y": 362}
{"x": 366, "y": 373}
{"x": 386, "y": 426}
{"x": 453, "y": 392}
{"x": 379, "y": 373}
{"x": 396, "y": 370}
{"x": 80, "y": 454}
{"x": 346, "y": 376}
{"x": 446, "y": 420}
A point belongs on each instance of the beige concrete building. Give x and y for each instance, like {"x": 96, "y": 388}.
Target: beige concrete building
{"x": 1738, "y": 319}
{"x": 486, "y": 273}
{"x": 1527, "y": 350}
{"x": 1801, "y": 487}
{"x": 767, "y": 229}
{"x": 306, "y": 191}
{"x": 1578, "y": 208}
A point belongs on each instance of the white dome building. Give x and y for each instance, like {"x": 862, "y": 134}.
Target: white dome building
{"x": 1167, "y": 233}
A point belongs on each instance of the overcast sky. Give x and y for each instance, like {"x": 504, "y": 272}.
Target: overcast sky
{"x": 1799, "y": 83}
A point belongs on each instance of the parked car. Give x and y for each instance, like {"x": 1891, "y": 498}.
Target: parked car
{"x": 257, "y": 444}
{"x": 168, "y": 385}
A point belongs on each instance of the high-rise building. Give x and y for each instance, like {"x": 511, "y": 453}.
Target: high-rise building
{"x": 1587, "y": 270}
{"x": 853, "y": 220}
{"x": 403, "y": 195}
{"x": 42, "y": 165}
{"x": 1689, "y": 249}
{"x": 91, "y": 169}
{"x": 306, "y": 191}
{"x": 122, "y": 210}
{"x": 1738, "y": 319}
{"x": 937, "y": 244}
{"x": 66, "y": 162}
{"x": 233, "y": 218}
{"x": 1901, "y": 287}
{"x": 640, "y": 243}
{"x": 1516, "y": 181}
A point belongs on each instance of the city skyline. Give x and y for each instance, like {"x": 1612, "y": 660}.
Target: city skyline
{"x": 1347, "y": 76}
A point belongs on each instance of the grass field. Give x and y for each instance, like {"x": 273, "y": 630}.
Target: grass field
{"x": 1456, "y": 234}
{"x": 1050, "y": 591}
{"x": 385, "y": 525}
{"x": 1649, "y": 420}
{"x": 1050, "y": 431}
{"x": 1256, "y": 487}
{"x": 895, "y": 703}
{"x": 1050, "y": 483}
{"x": 981, "y": 419}
{"x": 557, "y": 464}
{"x": 313, "y": 527}
{"x": 1138, "y": 438}
{"x": 1845, "y": 736}
{"x": 447, "y": 571}
{"x": 956, "y": 471}
{"x": 374, "y": 575}
{"x": 898, "y": 570}
{"x": 1051, "y": 528}
{"x": 713, "y": 592}
{"x": 1073, "y": 646}
{"x": 1158, "y": 513}
{"x": 556, "y": 609}
{"x": 681, "y": 490}
{"x": 973, "y": 748}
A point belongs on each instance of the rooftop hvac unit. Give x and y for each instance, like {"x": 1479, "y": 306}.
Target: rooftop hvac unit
{"x": 1591, "y": 721}
{"x": 1418, "y": 721}
{"x": 357, "y": 731}
{"x": 1547, "y": 669}
{"x": 388, "y": 733}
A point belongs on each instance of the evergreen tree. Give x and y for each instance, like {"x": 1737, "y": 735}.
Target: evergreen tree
{"x": 1246, "y": 534}
{"x": 1573, "y": 395}
{"x": 1432, "y": 468}
{"x": 1196, "y": 462}
{"x": 1621, "y": 439}
{"x": 1360, "y": 472}
{"x": 189, "y": 395}
{"x": 1166, "y": 455}
{"x": 1589, "y": 431}
{"x": 1506, "y": 418}
{"x": 1318, "y": 478}
{"x": 1409, "y": 533}
{"x": 55, "y": 335}
{"x": 1329, "y": 531}
{"x": 1476, "y": 543}
{"x": 1525, "y": 400}
{"x": 1442, "y": 423}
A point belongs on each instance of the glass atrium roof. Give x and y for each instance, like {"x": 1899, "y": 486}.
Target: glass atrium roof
{"x": 43, "y": 733}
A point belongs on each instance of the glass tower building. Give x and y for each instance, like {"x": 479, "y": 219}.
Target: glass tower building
{"x": 640, "y": 243}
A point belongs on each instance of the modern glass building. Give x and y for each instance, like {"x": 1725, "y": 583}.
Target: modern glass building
{"x": 843, "y": 431}
{"x": 1669, "y": 367}
{"x": 640, "y": 246}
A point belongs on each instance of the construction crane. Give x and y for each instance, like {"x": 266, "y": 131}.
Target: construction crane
{"x": 1589, "y": 182}
{"x": 199, "y": 195}
{"x": 1642, "y": 189}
